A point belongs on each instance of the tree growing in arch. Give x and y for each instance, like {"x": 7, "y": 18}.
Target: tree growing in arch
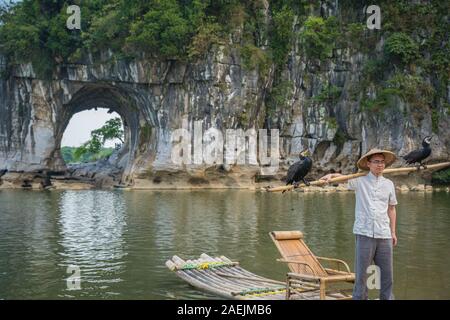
{"x": 111, "y": 130}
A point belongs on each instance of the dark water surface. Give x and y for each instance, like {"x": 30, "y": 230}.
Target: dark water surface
{"x": 120, "y": 240}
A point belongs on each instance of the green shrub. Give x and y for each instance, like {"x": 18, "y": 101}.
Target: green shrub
{"x": 354, "y": 36}
{"x": 340, "y": 138}
{"x": 282, "y": 34}
{"x": 207, "y": 35}
{"x": 328, "y": 94}
{"x": 401, "y": 46}
{"x": 384, "y": 99}
{"x": 412, "y": 89}
{"x": 439, "y": 48}
{"x": 435, "y": 121}
{"x": 374, "y": 69}
{"x": 318, "y": 37}
{"x": 441, "y": 177}
{"x": 255, "y": 58}
{"x": 332, "y": 122}
{"x": 279, "y": 97}
{"x": 68, "y": 154}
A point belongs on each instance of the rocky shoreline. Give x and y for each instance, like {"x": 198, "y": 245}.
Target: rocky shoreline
{"x": 15, "y": 180}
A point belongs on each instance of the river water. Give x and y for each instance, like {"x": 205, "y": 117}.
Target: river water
{"x": 120, "y": 240}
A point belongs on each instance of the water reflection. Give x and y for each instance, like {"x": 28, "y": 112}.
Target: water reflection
{"x": 27, "y": 248}
{"x": 121, "y": 240}
{"x": 92, "y": 224}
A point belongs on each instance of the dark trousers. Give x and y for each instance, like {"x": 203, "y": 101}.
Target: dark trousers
{"x": 379, "y": 251}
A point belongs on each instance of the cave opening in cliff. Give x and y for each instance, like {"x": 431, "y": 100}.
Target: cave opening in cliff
{"x": 92, "y": 145}
{"x": 93, "y": 112}
{"x": 92, "y": 135}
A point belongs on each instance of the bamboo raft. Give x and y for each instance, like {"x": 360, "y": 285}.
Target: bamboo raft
{"x": 345, "y": 178}
{"x": 222, "y": 277}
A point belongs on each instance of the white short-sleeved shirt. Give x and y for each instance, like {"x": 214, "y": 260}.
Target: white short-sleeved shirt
{"x": 373, "y": 196}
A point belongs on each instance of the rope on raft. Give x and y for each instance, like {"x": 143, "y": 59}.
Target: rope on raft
{"x": 258, "y": 292}
{"x": 206, "y": 265}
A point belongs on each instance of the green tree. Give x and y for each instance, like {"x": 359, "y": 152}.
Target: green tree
{"x": 35, "y": 31}
{"x": 162, "y": 29}
{"x": 67, "y": 154}
{"x": 111, "y": 130}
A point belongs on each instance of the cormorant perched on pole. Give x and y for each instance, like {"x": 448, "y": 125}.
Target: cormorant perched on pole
{"x": 299, "y": 170}
{"x": 420, "y": 154}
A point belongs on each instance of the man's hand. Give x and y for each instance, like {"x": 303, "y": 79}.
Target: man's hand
{"x": 326, "y": 178}
{"x": 394, "y": 239}
{"x": 392, "y": 213}
{"x": 330, "y": 176}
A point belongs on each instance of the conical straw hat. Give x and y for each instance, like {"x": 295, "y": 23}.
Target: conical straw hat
{"x": 389, "y": 158}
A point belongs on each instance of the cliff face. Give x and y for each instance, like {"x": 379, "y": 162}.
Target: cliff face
{"x": 322, "y": 111}
{"x": 153, "y": 98}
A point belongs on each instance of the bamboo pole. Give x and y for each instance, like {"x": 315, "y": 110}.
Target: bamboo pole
{"x": 359, "y": 174}
{"x": 250, "y": 278}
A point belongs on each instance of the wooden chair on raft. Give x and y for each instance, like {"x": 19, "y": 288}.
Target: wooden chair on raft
{"x": 307, "y": 272}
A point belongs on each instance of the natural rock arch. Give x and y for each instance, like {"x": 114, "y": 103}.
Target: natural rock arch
{"x": 104, "y": 96}
{"x": 156, "y": 97}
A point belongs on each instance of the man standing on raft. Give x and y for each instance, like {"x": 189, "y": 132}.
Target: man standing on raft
{"x": 375, "y": 220}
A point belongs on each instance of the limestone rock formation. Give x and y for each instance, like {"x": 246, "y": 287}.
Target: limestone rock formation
{"x": 155, "y": 98}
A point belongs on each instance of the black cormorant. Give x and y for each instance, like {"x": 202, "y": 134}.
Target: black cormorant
{"x": 299, "y": 170}
{"x": 417, "y": 156}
